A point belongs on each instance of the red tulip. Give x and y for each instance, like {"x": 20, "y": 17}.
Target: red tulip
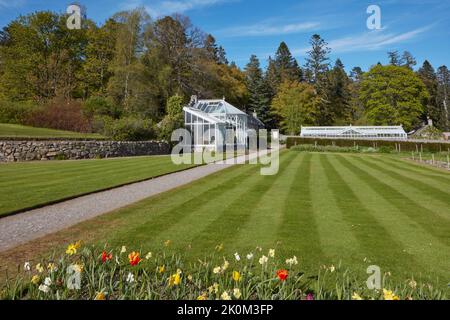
{"x": 282, "y": 274}
{"x": 134, "y": 258}
{"x": 106, "y": 257}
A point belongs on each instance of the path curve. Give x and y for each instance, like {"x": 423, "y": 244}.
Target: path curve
{"x": 33, "y": 224}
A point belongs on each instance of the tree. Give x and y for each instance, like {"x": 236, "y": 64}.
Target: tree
{"x": 393, "y": 96}
{"x": 125, "y": 85}
{"x": 356, "y": 106}
{"x": 317, "y": 61}
{"x": 317, "y": 73}
{"x": 97, "y": 68}
{"x": 443, "y": 94}
{"x": 259, "y": 99}
{"x": 394, "y": 58}
{"x": 173, "y": 119}
{"x": 286, "y": 66}
{"x": 41, "y": 58}
{"x": 432, "y": 108}
{"x": 339, "y": 93}
{"x": 295, "y": 104}
{"x": 408, "y": 60}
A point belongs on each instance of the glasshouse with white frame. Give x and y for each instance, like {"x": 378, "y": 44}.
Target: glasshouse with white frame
{"x": 209, "y": 120}
{"x": 351, "y": 132}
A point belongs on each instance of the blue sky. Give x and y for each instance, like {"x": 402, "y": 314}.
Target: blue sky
{"x": 246, "y": 27}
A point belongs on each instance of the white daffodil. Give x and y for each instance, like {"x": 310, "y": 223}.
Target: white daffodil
{"x": 130, "y": 278}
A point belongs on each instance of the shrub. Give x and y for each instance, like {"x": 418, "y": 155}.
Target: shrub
{"x": 61, "y": 114}
{"x": 100, "y": 106}
{"x": 129, "y": 128}
{"x": 15, "y": 112}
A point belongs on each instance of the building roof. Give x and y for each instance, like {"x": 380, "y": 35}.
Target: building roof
{"x": 217, "y": 107}
{"x": 353, "y": 131}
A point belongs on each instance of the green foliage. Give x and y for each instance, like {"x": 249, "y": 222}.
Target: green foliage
{"x": 15, "y": 112}
{"x": 130, "y": 128}
{"x": 295, "y": 104}
{"x": 174, "y": 108}
{"x": 100, "y": 106}
{"x": 392, "y": 96}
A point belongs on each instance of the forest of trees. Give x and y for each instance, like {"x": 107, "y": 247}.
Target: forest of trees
{"x": 129, "y": 78}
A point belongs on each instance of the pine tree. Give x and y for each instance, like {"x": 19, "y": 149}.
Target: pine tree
{"x": 286, "y": 66}
{"x": 356, "y": 106}
{"x": 432, "y": 108}
{"x": 317, "y": 61}
{"x": 339, "y": 93}
{"x": 394, "y": 58}
{"x": 317, "y": 73}
{"x": 408, "y": 60}
{"x": 259, "y": 100}
{"x": 443, "y": 77}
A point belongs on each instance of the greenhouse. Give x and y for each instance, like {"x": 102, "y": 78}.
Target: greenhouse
{"x": 208, "y": 121}
{"x": 351, "y": 132}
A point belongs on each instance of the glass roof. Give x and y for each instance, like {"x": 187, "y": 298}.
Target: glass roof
{"x": 217, "y": 107}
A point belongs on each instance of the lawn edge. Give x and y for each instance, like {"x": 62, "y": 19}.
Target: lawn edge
{"x": 49, "y": 203}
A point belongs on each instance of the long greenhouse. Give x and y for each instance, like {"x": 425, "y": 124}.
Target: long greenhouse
{"x": 351, "y": 132}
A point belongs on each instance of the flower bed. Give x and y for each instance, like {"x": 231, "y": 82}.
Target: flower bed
{"x": 87, "y": 272}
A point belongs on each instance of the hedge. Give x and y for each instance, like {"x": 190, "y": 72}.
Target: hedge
{"x": 396, "y": 145}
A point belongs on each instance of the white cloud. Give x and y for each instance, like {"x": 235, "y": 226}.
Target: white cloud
{"x": 167, "y": 7}
{"x": 11, "y": 4}
{"x": 371, "y": 40}
{"x": 266, "y": 29}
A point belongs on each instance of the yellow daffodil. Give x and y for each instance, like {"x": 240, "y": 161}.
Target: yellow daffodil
{"x": 175, "y": 279}
{"x": 189, "y": 277}
{"x": 72, "y": 248}
{"x": 217, "y": 270}
{"x": 332, "y": 268}
{"x": 35, "y": 279}
{"x": 237, "y": 293}
{"x": 123, "y": 250}
{"x": 161, "y": 269}
{"x": 389, "y": 295}
{"x": 52, "y": 267}
{"x": 356, "y": 296}
{"x": 148, "y": 256}
{"x": 100, "y": 296}
{"x": 219, "y": 247}
{"x": 236, "y": 276}
{"x": 167, "y": 243}
{"x": 39, "y": 268}
{"x": 272, "y": 253}
{"x": 202, "y": 297}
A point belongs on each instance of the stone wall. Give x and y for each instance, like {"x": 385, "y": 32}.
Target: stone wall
{"x": 21, "y": 150}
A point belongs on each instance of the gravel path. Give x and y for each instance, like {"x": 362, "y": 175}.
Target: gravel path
{"x": 30, "y": 225}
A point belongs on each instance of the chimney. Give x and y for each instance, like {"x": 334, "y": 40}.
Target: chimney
{"x": 193, "y": 101}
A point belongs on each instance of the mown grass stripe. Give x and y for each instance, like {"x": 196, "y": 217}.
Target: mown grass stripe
{"x": 177, "y": 215}
{"x": 420, "y": 186}
{"x": 427, "y": 219}
{"x": 428, "y": 172}
{"x": 269, "y": 210}
{"x": 298, "y": 230}
{"x": 373, "y": 237}
{"x": 238, "y": 211}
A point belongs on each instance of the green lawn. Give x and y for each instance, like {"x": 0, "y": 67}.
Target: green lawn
{"x": 24, "y": 185}
{"x": 15, "y": 130}
{"x": 324, "y": 208}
